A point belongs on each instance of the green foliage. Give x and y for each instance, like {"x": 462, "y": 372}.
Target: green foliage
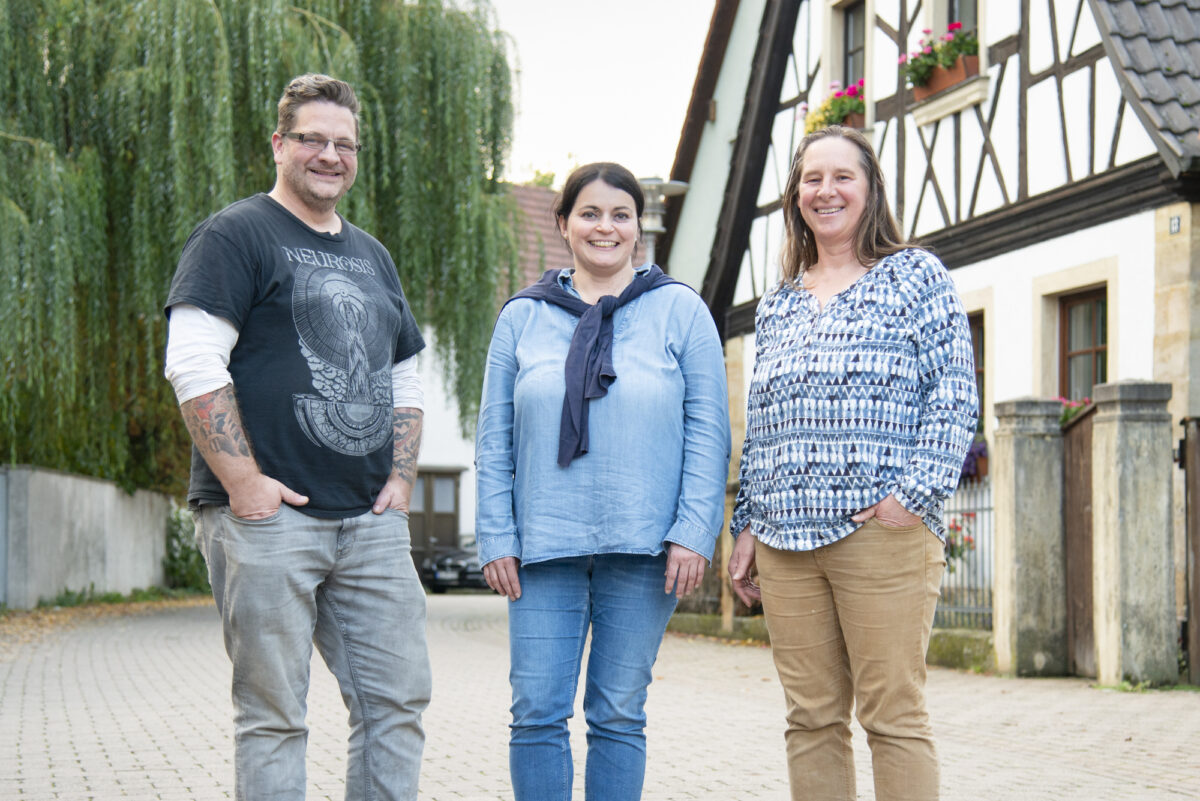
{"x": 69, "y": 598}
{"x": 123, "y": 124}
{"x": 542, "y": 179}
{"x": 183, "y": 565}
{"x": 1071, "y": 409}
{"x": 960, "y": 538}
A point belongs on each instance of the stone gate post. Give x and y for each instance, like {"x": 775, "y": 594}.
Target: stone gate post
{"x": 1133, "y": 566}
{"x": 1029, "y": 598}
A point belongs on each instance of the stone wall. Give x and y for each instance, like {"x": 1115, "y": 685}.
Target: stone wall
{"x": 65, "y": 532}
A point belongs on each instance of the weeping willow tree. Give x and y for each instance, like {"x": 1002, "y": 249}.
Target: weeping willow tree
{"x": 123, "y": 124}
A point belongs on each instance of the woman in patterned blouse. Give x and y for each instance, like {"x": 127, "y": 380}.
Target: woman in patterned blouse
{"x": 860, "y": 411}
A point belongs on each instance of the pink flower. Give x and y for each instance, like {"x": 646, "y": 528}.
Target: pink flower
{"x": 903, "y": 58}
{"x": 835, "y": 84}
{"x": 861, "y": 82}
{"x": 955, "y": 26}
{"x": 927, "y": 50}
{"x": 852, "y": 91}
{"x": 926, "y": 31}
{"x": 804, "y": 108}
{"x": 947, "y": 37}
{"x": 839, "y": 93}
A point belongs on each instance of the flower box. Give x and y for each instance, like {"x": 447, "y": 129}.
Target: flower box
{"x": 844, "y": 107}
{"x": 943, "y": 78}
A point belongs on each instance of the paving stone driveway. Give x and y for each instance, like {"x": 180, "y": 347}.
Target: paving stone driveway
{"x": 135, "y": 706}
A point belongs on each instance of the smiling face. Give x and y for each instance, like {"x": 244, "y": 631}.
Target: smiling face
{"x": 309, "y": 183}
{"x": 833, "y": 191}
{"x": 601, "y": 229}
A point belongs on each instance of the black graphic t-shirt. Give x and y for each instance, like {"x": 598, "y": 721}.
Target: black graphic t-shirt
{"x": 321, "y": 320}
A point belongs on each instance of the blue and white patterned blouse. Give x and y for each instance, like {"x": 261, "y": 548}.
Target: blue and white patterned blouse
{"x": 874, "y": 394}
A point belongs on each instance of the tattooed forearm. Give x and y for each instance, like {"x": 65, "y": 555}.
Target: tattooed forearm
{"x": 215, "y": 424}
{"x": 406, "y": 430}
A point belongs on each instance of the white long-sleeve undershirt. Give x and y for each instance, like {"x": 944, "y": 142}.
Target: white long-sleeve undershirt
{"x": 197, "y": 358}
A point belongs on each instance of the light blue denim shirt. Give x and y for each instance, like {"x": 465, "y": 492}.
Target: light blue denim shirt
{"x": 658, "y": 453}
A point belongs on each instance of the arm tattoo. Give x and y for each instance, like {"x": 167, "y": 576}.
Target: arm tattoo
{"x": 215, "y": 424}
{"x": 406, "y": 432}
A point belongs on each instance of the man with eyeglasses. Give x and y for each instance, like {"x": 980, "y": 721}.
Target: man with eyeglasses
{"x": 292, "y": 351}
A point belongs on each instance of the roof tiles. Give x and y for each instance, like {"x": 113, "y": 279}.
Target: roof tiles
{"x": 1155, "y": 48}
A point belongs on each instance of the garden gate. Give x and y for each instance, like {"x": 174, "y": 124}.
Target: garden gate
{"x": 1189, "y": 455}
{"x": 1077, "y": 530}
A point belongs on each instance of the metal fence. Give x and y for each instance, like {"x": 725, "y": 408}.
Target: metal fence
{"x": 966, "y": 601}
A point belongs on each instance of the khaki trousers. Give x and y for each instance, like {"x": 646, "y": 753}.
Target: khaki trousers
{"x": 849, "y": 626}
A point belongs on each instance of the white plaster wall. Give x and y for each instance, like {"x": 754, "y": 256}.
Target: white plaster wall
{"x": 1123, "y": 248}
{"x": 442, "y": 443}
{"x": 697, "y": 226}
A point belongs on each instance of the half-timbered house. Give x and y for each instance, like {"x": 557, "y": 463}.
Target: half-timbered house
{"x": 1058, "y": 185}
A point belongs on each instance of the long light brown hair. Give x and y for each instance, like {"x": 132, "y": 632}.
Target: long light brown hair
{"x": 876, "y": 235}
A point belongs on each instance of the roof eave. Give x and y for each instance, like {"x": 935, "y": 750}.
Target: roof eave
{"x": 1171, "y": 159}
{"x": 712, "y": 58}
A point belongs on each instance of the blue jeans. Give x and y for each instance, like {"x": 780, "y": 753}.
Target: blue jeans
{"x": 621, "y": 598}
{"x": 349, "y": 585}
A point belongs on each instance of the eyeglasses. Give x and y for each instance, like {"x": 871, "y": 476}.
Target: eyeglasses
{"x": 312, "y": 141}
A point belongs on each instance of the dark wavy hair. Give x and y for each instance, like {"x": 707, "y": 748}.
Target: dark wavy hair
{"x": 610, "y": 173}
{"x": 876, "y": 235}
{"x": 312, "y": 87}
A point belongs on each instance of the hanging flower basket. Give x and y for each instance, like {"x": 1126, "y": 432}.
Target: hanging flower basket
{"x": 942, "y": 78}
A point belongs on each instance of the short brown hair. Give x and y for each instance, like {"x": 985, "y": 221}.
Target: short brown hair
{"x": 312, "y": 87}
{"x": 877, "y": 234}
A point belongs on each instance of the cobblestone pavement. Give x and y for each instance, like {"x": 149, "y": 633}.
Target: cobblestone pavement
{"x": 136, "y": 706}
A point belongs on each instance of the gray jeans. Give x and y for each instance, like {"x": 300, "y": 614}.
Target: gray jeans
{"x": 288, "y": 581}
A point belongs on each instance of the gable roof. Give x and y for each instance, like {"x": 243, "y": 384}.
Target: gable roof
{"x": 1154, "y": 46}
{"x": 712, "y": 58}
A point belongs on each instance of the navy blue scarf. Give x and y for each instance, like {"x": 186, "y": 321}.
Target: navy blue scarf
{"x": 589, "y": 368}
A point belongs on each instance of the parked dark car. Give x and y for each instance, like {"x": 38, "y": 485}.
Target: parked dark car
{"x": 453, "y": 569}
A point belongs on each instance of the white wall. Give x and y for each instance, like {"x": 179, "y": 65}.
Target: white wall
{"x": 442, "y": 442}
{"x": 1016, "y": 291}
{"x": 692, "y": 242}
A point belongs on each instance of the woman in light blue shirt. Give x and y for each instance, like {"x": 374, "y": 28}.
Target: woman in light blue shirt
{"x": 602, "y": 454}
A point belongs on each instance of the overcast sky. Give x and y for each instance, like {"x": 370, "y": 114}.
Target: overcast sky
{"x": 601, "y": 81}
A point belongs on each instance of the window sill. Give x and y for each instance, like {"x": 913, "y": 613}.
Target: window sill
{"x": 970, "y": 92}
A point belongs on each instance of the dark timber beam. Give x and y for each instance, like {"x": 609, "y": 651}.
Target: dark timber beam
{"x": 749, "y": 155}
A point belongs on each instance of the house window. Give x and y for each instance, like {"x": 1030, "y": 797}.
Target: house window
{"x": 433, "y": 513}
{"x": 1083, "y": 343}
{"x": 964, "y": 11}
{"x": 854, "y": 41}
{"x": 975, "y": 321}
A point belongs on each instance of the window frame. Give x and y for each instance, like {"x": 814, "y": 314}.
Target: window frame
{"x": 850, "y": 48}
{"x": 975, "y": 324}
{"x": 948, "y": 15}
{"x": 1097, "y": 349}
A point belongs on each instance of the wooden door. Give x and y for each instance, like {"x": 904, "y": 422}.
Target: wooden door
{"x": 1077, "y": 526}
{"x": 1191, "y": 465}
